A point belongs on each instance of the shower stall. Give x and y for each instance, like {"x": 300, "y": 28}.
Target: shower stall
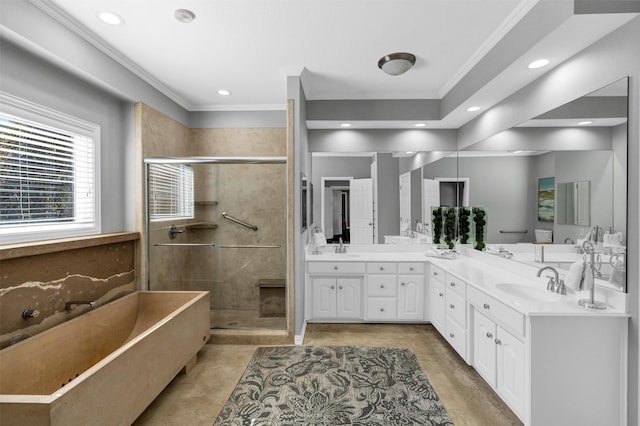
{"x": 219, "y": 224}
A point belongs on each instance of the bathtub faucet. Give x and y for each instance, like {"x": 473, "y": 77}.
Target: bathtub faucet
{"x": 69, "y": 305}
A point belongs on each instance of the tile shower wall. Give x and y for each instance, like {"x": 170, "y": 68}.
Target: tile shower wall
{"x": 46, "y": 281}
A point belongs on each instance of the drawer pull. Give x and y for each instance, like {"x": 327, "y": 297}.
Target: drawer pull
{"x": 340, "y": 287}
{"x": 382, "y": 268}
{"x": 335, "y": 268}
{"x": 411, "y": 268}
{"x": 452, "y": 335}
{"x": 381, "y": 285}
{"x": 381, "y": 309}
{"x": 452, "y": 306}
{"x": 333, "y": 287}
{"x": 489, "y": 335}
{"x": 452, "y": 284}
{"x": 498, "y": 342}
{"x": 441, "y": 294}
{"x": 435, "y": 274}
{"x": 486, "y": 306}
{"x": 402, "y": 284}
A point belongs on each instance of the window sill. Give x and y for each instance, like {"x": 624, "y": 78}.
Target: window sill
{"x": 10, "y": 251}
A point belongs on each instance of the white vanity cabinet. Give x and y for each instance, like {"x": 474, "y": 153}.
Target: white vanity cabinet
{"x": 455, "y": 323}
{"x": 436, "y": 297}
{"x": 336, "y": 290}
{"x": 500, "y": 359}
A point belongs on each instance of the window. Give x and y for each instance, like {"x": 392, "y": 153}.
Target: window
{"x": 170, "y": 192}
{"x": 48, "y": 173}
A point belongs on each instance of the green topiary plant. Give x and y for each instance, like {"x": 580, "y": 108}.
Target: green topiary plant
{"x": 464, "y": 227}
{"x": 479, "y": 217}
{"x": 436, "y": 214}
{"x": 450, "y": 227}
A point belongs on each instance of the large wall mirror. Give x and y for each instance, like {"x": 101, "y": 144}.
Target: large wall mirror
{"x": 582, "y": 148}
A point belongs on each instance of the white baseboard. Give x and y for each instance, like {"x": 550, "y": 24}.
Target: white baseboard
{"x": 298, "y": 339}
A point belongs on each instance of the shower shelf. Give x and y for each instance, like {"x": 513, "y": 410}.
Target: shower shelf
{"x": 202, "y": 225}
{"x": 205, "y": 203}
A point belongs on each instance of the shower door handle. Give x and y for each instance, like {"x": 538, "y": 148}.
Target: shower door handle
{"x": 238, "y": 221}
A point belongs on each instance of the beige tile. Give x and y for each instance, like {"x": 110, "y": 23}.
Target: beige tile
{"x": 197, "y": 398}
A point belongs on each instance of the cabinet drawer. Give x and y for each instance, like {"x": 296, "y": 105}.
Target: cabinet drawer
{"x": 381, "y": 308}
{"x": 456, "y": 284}
{"x": 456, "y": 307}
{"x": 335, "y": 267}
{"x": 381, "y": 285}
{"x": 436, "y": 273}
{"x": 381, "y": 268}
{"x": 456, "y": 336}
{"x": 498, "y": 311}
{"x": 410, "y": 268}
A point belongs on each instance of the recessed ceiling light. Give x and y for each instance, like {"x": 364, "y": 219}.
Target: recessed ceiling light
{"x": 345, "y": 125}
{"x": 183, "y": 15}
{"x": 409, "y": 152}
{"x": 584, "y": 123}
{"x": 224, "y": 92}
{"x": 420, "y": 125}
{"x": 111, "y": 18}
{"x": 538, "y": 63}
{"x": 473, "y": 108}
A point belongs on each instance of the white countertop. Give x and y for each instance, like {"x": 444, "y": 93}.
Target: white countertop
{"x": 487, "y": 273}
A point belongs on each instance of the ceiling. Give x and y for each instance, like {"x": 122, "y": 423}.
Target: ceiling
{"x": 249, "y": 47}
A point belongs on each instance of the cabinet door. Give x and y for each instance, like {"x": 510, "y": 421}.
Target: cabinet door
{"x": 511, "y": 370}
{"x": 436, "y": 305}
{"x": 410, "y": 297}
{"x": 324, "y": 297}
{"x": 484, "y": 347}
{"x": 349, "y": 298}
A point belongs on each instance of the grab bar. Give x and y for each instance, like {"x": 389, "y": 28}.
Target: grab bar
{"x": 514, "y": 232}
{"x": 239, "y": 222}
{"x": 184, "y": 245}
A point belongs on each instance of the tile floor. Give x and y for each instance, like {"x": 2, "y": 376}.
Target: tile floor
{"x": 195, "y": 399}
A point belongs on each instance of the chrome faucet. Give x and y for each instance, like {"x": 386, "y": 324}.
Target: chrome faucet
{"x": 555, "y": 284}
{"x": 341, "y": 248}
{"x": 69, "y": 305}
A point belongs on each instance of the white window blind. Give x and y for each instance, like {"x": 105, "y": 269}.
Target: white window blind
{"x": 48, "y": 177}
{"x": 170, "y": 192}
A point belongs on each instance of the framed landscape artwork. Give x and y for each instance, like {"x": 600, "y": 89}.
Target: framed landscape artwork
{"x": 546, "y": 196}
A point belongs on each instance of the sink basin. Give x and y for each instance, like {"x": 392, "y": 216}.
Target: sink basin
{"x": 528, "y": 292}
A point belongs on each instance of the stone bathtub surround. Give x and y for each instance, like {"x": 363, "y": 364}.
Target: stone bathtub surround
{"x": 107, "y": 366}
{"x": 43, "y": 276}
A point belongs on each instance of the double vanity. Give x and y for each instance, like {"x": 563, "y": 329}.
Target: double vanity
{"x": 551, "y": 360}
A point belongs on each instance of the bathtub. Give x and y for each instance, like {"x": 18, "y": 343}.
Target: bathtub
{"x": 106, "y": 366}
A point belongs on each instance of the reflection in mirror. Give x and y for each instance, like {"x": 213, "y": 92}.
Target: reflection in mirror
{"x": 583, "y": 145}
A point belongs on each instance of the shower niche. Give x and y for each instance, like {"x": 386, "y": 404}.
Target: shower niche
{"x": 230, "y": 217}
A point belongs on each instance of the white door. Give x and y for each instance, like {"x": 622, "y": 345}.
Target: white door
{"x": 430, "y": 198}
{"x": 361, "y": 204}
{"x": 405, "y": 198}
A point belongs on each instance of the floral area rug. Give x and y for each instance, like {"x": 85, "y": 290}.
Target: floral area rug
{"x": 302, "y": 385}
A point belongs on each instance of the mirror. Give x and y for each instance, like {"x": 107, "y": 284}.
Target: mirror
{"x": 583, "y": 145}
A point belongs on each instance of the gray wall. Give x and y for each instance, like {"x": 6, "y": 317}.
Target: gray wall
{"x": 29, "y": 77}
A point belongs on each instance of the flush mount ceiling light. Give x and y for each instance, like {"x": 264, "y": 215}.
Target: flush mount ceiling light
{"x": 111, "y": 18}
{"x": 396, "y": 63}
{"x": 538, "y": 63}
{"x": 183, "y": 15}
